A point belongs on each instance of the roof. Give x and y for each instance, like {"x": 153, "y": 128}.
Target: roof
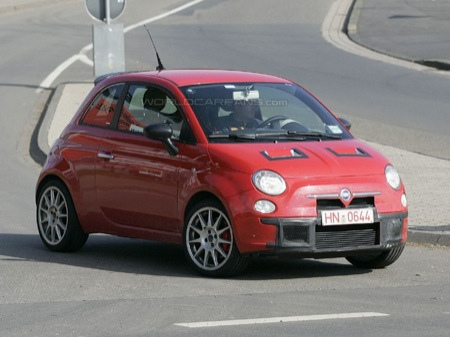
{"x": 203, "y": 76}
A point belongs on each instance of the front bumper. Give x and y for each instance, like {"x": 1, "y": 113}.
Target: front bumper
{"x": 307, "y": 237}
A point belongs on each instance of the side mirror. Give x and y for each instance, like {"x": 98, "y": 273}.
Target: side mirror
{"x": 346, "y": 123}
{"x": 162, "y": 132}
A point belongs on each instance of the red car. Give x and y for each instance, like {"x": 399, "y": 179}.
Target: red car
{"x": 228, "y": 164}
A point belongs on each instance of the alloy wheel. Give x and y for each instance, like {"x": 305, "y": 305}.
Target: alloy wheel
{"x": 53, "y": 215}
{"x": 209, "y": 238}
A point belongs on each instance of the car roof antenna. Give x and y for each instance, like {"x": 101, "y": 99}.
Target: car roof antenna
{"x": 160, "y": 65}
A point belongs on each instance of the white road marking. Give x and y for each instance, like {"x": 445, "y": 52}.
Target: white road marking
{"x": 163, "y": 15}
{"x": 280, "y": 319}
{"x": 81, "y": 56}
{"x": 47, "y": 82}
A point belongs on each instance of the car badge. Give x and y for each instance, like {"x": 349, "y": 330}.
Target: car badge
{"x": 345, "y": 195}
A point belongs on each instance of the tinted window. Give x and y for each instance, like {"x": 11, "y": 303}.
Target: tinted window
{"x": 145, "y": 105}
{"x": 101, "y": 110}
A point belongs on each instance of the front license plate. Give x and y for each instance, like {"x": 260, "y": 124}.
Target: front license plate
{"x": 347, "y": 216}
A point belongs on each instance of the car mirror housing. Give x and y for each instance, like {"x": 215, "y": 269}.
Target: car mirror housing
{"x": 162, "y": 132}
{"x": 346, "y": 123}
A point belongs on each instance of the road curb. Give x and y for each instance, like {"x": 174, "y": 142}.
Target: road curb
{"x": 335, "y": 30}
{"x": 44, "y": 128}
{"x": 438, "y": 236}
{"x": 350, "y": 28}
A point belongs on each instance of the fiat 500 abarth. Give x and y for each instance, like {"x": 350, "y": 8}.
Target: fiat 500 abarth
{"x": 228, "y": 164}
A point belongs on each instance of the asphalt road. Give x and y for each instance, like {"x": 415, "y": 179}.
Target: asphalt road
{"x": 121, "y": 287}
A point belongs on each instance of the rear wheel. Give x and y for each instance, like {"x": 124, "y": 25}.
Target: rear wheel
{"x": 376, "y": 260}
{"x": 57, "y": 220}
{"x": 209, "y": 241}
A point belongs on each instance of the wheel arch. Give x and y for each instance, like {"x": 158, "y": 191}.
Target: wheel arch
{"x": 196, "y": 198}
{"x": 44, "y": 181}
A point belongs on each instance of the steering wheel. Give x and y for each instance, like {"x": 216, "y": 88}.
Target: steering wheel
{"x": 253, "y": 123}
{"x": 271, "y": 120}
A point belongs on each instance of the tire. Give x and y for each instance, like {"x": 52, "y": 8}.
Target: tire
{"x": 376, "y": 260}
{"x": 57, "y": 220}
{"x": 209, "y": 242}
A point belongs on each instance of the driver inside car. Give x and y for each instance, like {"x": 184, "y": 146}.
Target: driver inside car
{"x": 154, "y": 99}
{"x": 246, "y": 115}
{"x": 154, "y": 102}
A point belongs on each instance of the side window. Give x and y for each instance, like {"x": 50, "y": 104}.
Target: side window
{"x": 101, "y": 110}
{"x": 145, "y": 105}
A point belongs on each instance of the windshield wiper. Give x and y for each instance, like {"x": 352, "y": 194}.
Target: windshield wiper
{"x": 290, "y": 134}
{"x": 234, "y": 135}
{"x": 295, "y": 135}
{"x": 318, "y": 135}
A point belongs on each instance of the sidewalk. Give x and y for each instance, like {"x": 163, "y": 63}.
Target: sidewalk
{"x": 417, "y": 31}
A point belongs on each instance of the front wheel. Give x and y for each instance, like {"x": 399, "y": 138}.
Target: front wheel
{"x": 57, "y": 220}
{"x": 209, "y": 241}
{"x": 376, "y": 260}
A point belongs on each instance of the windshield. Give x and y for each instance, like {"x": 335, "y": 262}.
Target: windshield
{"x": 261, "y": 111}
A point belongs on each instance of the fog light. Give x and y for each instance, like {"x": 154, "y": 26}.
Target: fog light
{"x": 404, "y": 201}
{"x": 264, "y": 206}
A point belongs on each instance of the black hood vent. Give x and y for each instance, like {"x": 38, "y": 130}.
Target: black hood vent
{"x": 287, "y": 154}
{"x": 350, "y": 152}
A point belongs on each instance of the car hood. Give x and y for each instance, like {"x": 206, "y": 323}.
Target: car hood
{"x": 301, "y": 159}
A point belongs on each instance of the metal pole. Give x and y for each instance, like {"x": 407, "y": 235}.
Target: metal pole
{"x": 108, "y": 12}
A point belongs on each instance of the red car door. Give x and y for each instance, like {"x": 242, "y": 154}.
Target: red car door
{"x": 136, "y": 178}
{"x": 137, "y": 182}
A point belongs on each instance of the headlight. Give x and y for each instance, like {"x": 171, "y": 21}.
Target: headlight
{"x": 392, "y": 177}
{"x": 269, "y": 182}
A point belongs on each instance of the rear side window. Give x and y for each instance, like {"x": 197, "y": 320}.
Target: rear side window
{"x": 101, "y": 110}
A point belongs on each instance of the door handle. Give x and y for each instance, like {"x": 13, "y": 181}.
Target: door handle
{"x": 105, "y": 155}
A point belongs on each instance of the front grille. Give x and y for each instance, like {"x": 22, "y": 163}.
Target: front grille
{"x": 330, "y": 237}
{"x": 346, "y": 238}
